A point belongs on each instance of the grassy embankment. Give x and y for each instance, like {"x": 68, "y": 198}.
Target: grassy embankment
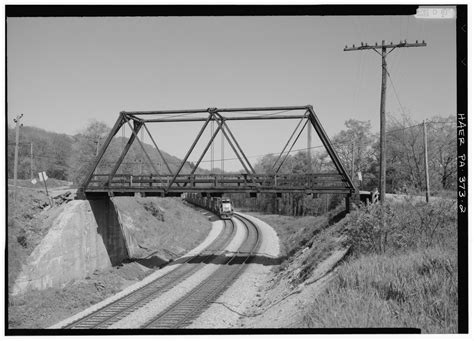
{"x": 162, "y": 225}
{"x": 401, "y": 275}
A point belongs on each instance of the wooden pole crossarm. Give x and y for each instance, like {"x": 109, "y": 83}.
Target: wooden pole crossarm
{"x": 190, "y": 150}
{"x": 382, "y": 46}
{"x": 143, "y": 148}
{"x": 158, "y": 149}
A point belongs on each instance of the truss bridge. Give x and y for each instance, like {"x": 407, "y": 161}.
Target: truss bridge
{"x": 188, "y": 177}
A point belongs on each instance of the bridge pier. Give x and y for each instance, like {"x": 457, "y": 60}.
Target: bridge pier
{"x": 348, "y": 203}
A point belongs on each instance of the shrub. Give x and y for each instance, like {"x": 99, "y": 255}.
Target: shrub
{"x": 377, "y": 228}
{"x": 153, "y": 210}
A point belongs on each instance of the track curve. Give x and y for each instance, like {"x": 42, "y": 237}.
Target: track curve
{"x": 188, "y": 307}
{"x": 115, "y": 311}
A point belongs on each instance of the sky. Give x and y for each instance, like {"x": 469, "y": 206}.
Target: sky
{"x": 63, "y": 72}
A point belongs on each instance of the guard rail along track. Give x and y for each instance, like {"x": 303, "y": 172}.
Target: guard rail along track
{"x": 106, "y": 316}
{"x": 191, "y": 305}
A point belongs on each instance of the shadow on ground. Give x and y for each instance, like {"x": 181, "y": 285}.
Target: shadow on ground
{"x": 156, "y": 262}
{"x": 230, "y": 259}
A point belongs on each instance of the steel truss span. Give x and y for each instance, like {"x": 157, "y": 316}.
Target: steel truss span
{"x": 175, "y": 183}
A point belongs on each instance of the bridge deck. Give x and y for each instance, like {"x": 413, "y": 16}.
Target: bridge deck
{"x": 127, "y": 184}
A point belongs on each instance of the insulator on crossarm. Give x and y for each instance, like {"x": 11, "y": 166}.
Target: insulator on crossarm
{"x": 346, "y": 47}
{"x": 423, "y": 41}
{"x": 361, "y": 44}
{"x": 375, "y": 43}
{"x": 417, "y": 41}
{"x": 353, "y": 45}
{"x": 405, "y": 41}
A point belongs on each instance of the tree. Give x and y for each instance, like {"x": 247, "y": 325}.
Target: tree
{"x": 405, "y": 154}
{"x": 358, "y": 138}
{"x": 96, "y": 131}
{"x": 85, "y": 148}
{"x": 50, "y": 152}
{"x": 442, "y": 152}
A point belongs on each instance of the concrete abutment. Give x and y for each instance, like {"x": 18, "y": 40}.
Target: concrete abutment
{"x": 87, "y": 235}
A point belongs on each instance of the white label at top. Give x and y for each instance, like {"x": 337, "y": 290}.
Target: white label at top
{"x": 435, "y": 13}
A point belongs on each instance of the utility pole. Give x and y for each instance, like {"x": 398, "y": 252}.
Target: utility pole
{"x": 222, "y": 153}
{"x": 17, "y": 140}
{"x": 31, "y": 160}
{"x": 352, "y": 162}
{"x": 310, "y": 169}
{"x": 427, "y": 175}
{"x": 383, "y": 48}
{"x": 212, "y": 146}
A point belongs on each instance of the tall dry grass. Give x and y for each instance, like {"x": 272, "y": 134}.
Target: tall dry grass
{"x": 402, "y": 271}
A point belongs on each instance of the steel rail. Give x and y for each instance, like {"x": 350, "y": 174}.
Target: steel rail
{"x": 115, "y": 311}
{"x": 191, "y": 305}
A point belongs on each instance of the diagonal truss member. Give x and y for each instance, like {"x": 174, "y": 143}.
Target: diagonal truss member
{"x": 141, "y": 118}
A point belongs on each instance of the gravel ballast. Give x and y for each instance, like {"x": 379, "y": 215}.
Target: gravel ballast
{"x": 228, "y": 309}
{"x": 153, "y": 308}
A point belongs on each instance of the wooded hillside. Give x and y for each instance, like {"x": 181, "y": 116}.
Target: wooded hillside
{"x": 66, "y": 157}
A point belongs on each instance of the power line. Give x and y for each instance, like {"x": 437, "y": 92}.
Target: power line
{"x": 277, "y": 153}
{"x": 404, "y": 128}
{"x": 396, "y": 93}
{"x": 342, "y": 143}
{"x": 419, "y": 124}
{"x": 441, "y": 122}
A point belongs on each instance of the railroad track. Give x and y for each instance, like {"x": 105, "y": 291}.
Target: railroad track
{"x": 188, "y": 307}
{"x": 117, "y": 310}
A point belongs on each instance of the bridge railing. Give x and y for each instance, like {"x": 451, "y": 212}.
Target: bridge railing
{"x": 218, "y": 181}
